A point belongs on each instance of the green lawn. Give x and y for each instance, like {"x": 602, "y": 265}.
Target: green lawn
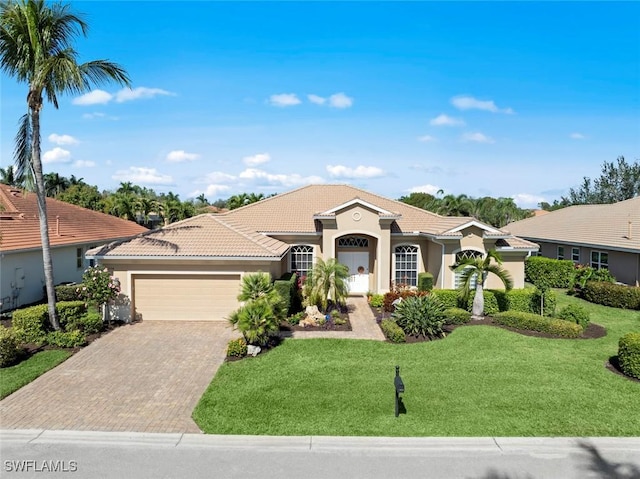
{"x": 14, "y": 377}
{"x": 479, "y": 381}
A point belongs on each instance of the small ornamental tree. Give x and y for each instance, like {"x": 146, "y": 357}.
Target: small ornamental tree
{"x": 100, "y": 287}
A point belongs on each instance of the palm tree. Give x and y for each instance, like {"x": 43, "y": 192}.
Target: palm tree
{"x": 327, "y": 281}
{"x": 54, "y": 184}
{"x": 477, "y": 269}
{"x": 202, "y": 200}
{"x": 8, "y": 177}
{"x": 36, "y": 48}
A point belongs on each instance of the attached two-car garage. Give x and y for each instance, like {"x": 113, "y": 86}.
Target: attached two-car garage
{"x": 185, "y": 297}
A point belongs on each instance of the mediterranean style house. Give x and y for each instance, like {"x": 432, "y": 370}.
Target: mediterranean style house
{"x": 72, "y": 231}
{"x": 192, "y": 269}
{"x": 601, "y": 236}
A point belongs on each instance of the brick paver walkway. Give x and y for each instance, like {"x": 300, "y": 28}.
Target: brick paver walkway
{"x": 363, "y": 324}
{"x": 145, "y": 377}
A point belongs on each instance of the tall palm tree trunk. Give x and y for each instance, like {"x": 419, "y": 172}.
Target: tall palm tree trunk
{"x": 35, "y": 107}
{"x": 477, "y": 310}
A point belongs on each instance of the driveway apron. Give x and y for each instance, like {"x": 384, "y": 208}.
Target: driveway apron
{"x": 145, "y": 377}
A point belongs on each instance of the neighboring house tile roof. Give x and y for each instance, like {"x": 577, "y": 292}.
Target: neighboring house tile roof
{"x": 612, "y": 226}
{"x": 68, "y": 224}
{"x": 204, "y": 235}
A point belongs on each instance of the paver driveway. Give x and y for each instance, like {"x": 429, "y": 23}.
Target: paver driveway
{"x": 145, "y": 377}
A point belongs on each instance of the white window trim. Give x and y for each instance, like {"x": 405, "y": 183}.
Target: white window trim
{"x": 313, "y": 254}
{"x": 418, "y": 254}
{"x": 455, "y": 253}
{"x": 574, "y": 248}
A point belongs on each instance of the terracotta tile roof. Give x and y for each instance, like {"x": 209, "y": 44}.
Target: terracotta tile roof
{"x": 204, "y": 235}
{"x": 598, "y": 225}
{"x": 293, "y": 212}
{"x": 68, "y": 224}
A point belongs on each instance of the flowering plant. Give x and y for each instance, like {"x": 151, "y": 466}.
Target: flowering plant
{"x": 98, "y": 285}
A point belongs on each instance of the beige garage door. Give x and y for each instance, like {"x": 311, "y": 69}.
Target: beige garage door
{"x": 185, "y": 297}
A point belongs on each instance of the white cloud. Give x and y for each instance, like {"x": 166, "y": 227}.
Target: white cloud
{"x": 211, "y": 190}
{"x": 526, "y": 200}
{"x": 318, "y": 100}
{"x": 84, "y": 163}
{"x": 62, "y": 139}
{"x": 431, "y": 189}
{"x": 477, "y": 137}
{"x": 94, "y": 97}
{"x": 91, "y": 116}
{"x": 426, "y": 138}
{"x": 471, "y": 103}
{"x": 179, "y": 156}
{"x": 137, "y": 174}
{"x": 279, "y": 179}
{"x": 340, "y": 100}
{"x": 577, "y": 136}
{"x": 256, "y": 160}
{"x": 57, "y": 155}
{"x": 341, "y": 171}
{"x": 445, "y": 120}
{"x": 284, "y": 99}
{"x": 217, "y": 177}
{"x": 128, "y": 94}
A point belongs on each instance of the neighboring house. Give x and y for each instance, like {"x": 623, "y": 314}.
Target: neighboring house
{"x": 601, "y": 236}
{"x": 72, "y": 231}
{"x": 192, "y": 269}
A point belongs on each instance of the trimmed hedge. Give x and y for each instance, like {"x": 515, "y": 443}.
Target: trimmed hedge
{"x": 30, "y": 324}
{"x": 70, "y": 312}
{"x": 490, "y": 302}
{"x": 89, "y": 323}
{"x": 559, "y": 273}
{"x": 629, "y": 354}
{"x": 534, "y": 322}
{"x": 575, "y": 313}
{"x": 450, "y": 298}
{"x": 392, "y": 331}
{"x": 614, "y": 295}
{"x": 287, "y": 287}
{"x": 376, "y": 300}
{"x": 70, "y": 292}
{"x": 9, "y": 350}
{"x": 66, "y": 339}
{"x": 526, "y": 300}
{"x": 457, "y": 316}
{"x": 425, "y": 281}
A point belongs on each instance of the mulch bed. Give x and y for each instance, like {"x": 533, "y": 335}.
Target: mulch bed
{"x": 613, "y": 366}
{"x": 329, "y": 326}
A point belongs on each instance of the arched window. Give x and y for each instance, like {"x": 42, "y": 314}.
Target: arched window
{"x": 301, "y": 257}
{"x": 353, "y": 242}
{"x": 406, "y": 265}
{"x": 462, "y": 255}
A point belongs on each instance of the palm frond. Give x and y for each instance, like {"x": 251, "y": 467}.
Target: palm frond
{"x": 22, "y": 153}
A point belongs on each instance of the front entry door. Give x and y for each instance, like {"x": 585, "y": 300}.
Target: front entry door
{"x": 358, "y": 264}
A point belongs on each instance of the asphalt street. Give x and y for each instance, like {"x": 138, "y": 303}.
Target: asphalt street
{"x": 82, "y": 454}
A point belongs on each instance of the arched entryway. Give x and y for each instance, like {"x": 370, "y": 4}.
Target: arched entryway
{"x": 357, "y": 253}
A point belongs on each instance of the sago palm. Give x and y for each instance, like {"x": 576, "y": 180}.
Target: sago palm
{"x": 36, "y": 48}
{"x": 478, "y": 269}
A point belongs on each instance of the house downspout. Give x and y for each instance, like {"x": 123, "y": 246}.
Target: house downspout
{"x": 441, "y": 263}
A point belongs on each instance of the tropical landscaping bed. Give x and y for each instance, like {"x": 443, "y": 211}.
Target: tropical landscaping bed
{"x": 478, "y": 381}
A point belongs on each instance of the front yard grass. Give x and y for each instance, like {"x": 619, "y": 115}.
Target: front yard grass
{"x": 14, "y": 377}
{"x": 479, "y": 381}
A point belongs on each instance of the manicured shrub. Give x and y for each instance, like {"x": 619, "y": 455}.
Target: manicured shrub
{"x": 296, "y": 318}
{"x": 490, "y": 302}
{"x": 450, "y": 298}
{"x": 457, "y": 316}
{"x": 30, "y": 324}
{"x": 549, "y": 302}
{"x": 392, "y": 331}
{"x": 9, "y": 350}
{"x": 376, "y": 301}
{"x": 66, "y": 339}
{"x": 257, "y": 321}
{"x": 629, "y": 354}
{"x": 89, "y": 323}
{"x": 576, "y": 314}
{"x": 403, "y": 293}
{"x": 286, "y": 291}
{"x": 557, "y": 273}
{"x": 535, "y": 322}
{"x": 237, "y": 348}
{"x": 70, "y": 312}
{"x": 420, "y": 316}
{"x": 425, "y": 281}
{"x": 70, "y": 292}
{"x": 614, "y": 295}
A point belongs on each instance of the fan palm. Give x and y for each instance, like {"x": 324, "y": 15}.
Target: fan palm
{"x": 36, "y": 48}
{"x": 477, "y": 269}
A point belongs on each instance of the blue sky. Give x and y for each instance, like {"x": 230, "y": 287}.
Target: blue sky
{"x": 517, "y": 99}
